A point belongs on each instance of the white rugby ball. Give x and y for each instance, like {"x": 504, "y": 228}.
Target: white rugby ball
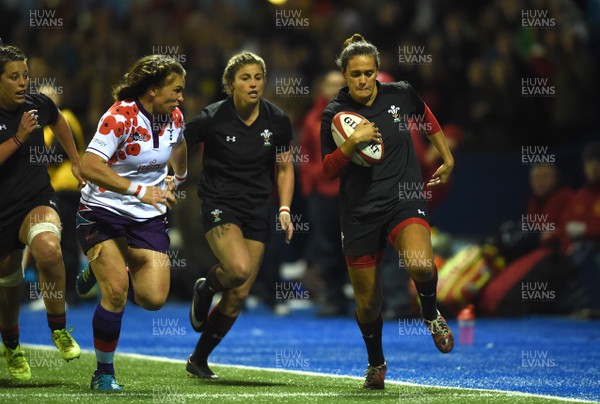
{"x": 342, "y": 127}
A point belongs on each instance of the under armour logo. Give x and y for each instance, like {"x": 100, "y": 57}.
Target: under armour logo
{"x": 2, "y": 127}
{"x": 230, "y": 138}
{"x": 421, "y": 212}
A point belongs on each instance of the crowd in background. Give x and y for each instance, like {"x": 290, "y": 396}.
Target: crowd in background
{"x": 473, "y": 61}
{"x": 474, "y": 54}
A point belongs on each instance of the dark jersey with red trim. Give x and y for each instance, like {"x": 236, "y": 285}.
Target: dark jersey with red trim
{"x": 239, "y": 160}
{"x": 24, "y": 175}
{"x": 368, "y": 191}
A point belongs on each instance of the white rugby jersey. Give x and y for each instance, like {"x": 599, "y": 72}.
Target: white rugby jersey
{"x": 137, "y": 146}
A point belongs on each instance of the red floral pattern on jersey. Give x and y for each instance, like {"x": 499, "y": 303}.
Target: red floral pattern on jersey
{"x": 144, "y": 133}
{"x": 133, "y": 149}
{"x": 107, "y": 125}
{"x": 125, "y": 109}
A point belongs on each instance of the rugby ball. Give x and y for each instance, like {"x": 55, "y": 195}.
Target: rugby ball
{"x": 342, "y": 127}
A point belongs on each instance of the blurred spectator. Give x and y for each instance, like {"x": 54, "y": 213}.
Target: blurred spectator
{"x": 479, "y": 52}
{"x": 571, "y": 274}
{"x": 580, "y": 230}
{"x": 324, "y": 245}
{"x": 549, "y": 198}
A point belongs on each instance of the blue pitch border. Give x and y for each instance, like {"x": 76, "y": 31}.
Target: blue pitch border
{"x": 539, "y": 355}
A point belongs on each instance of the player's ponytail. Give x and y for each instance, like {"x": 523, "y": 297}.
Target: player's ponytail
{"x": 354, "y": 46}
{"x": 152, "y": 70}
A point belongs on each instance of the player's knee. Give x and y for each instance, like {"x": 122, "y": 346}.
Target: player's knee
{"x": 151, "y": 302}
{"x": 116, "y": 295}
{"x": 238, "y": 272}
{"x": 421, "y": 273}
{"x": 117, "y": 299}
{"x": 238, "y": 295}
{"x": 46, "y": 251}
{"x": 369, "y": 312}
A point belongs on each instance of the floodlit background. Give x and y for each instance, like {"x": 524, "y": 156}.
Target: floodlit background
{"x": 511, "y": 82}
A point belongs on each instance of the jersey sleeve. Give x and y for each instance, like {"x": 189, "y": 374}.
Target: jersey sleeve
{"x": 195, "y": 130}
{"x": 108, "y": 136}
{"x": 421, "y": 112}
{"x": 50, "y": 106}
{"x": 283, "y": 136}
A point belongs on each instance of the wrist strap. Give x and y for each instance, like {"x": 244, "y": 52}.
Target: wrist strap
{"x": 17, "y": 141}
{"x": 133, "y": 187}
{"x": 136, "y": 190}
{"x": 140, "y": 192}
{"x": 284, "y": 208}
{"x": 179, "y": 179}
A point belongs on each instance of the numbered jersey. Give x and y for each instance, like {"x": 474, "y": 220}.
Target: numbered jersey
{"x": 137, "y": 146}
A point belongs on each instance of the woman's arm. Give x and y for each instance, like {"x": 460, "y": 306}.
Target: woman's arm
{"x": 285, "y": 185}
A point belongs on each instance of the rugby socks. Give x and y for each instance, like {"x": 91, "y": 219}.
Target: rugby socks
{"x": 10, "y": 336}
{"x": 107, "y": 328}
{"x": 212, "y": 281}
{"x": 427, "y": 295}
{"x": 371, "y": 333}
{"x": 56, "y": 321}
{"x": 217, "y": 326}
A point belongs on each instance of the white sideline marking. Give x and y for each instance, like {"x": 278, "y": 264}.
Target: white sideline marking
{"x": 298, "y": 372}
